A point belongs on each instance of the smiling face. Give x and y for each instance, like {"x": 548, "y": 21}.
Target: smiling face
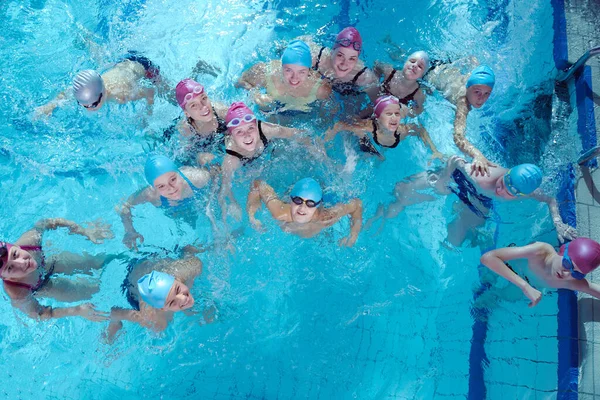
{"x": 344, "y": 60}
{"x": 390, "y": 117}
{"x": 477, "y": 95}
{"x": 302, "y": 214}
{"x": 245, "y": 136}
{"x": 294, "y": 75}
{"x": 199, "y": 108}
{"x": 179, "y": 297}
{"x": 414, "y": 68}
{"x": 169, "y": 185}
{"x": 18, "y": 264}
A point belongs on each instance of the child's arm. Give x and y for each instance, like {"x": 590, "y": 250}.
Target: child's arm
{"x": 279, "y": 131}
{"x": 495, "y": 259}
{"x": 564, "y": 231}
{"x": 228, "y": 168}
{"x": 354, "y": 210}
{"x": 480, "y": 164}
{"x": 252, "y": 78}
{"x": 95, "y": 232}
{"x": 262, "y": 192}
{"x": 131, "y": 235}
{"x": 593, "y": 289}
{"x": 30, "y": 306}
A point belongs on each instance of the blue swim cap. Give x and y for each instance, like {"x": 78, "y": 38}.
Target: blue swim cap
{"x": 156, "y": 165}
{"x": 155, "y": 287}
{"x": 297, "y": 53}
{"x": 308, "y": 189}
{"x": 523, "y": 179}
{"x": 482, "y": 75}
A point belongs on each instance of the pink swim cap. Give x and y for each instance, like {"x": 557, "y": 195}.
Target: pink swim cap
{"x": 4, "y": 257}
{"x": 237, "y": 110}
{"x": 186, "y": 90}
{"x": 382, "y": 102}
{"x": 584, "y": 252}
{"x": 348, "y": 37}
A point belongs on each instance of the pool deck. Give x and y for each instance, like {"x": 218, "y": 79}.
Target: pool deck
{"x": 583, "y": 33}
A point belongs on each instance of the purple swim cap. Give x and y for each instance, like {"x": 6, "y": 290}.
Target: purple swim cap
{"x": 186, "y": 90}
{"x": 584, "y": 252}
{"x": 382, "y": 102}
{"x": 349, "y": 37}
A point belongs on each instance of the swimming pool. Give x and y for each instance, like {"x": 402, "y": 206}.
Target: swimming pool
{"x": 392, "y": 317}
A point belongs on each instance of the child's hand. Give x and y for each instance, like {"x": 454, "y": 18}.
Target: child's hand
{"x": 532, "y": 294}
{"x": 97, "y": 231}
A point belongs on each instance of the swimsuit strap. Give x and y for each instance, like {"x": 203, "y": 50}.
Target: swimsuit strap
{"x": 396, "y": 136}
{"x": 192, "y": 186}
{"x": 263, "y": 138}
{"x": 316, "y": 67}
{"x": 31, "y": 247}
{"x": 386, "y": 83}
{"x": 358, "y": 75}
{"x": 221, "y": 125}
{"x": 410, "y": 97}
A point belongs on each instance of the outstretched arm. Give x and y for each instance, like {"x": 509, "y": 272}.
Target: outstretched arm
{"x": 354, "y": 210}
{"x": 49, "y": 107}
{"x": 30, "y": 306}
{"x": 262, "y": 192}
{"x": 480, "y": 164}
{"x": 564, "y": 231}
{"x": 358, "y": 129}
{"x": 96, "y": 232}
{"x": 228, "y": 168}
{"x": 131, "y": 235}
{"x": 278, "y": 131}
{"x": 585, "y": 286}
{"x": 252, "y": 78}
{"x": 495, "y": 259}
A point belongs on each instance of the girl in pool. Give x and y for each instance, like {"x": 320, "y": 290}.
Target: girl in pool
{"x": 348, "y": 75}
{"x": 247, "y": 140}
{"x": 289, "y": 82}
{"x": 404, "y": 84}
{"x": 465, "y": 92}
{"x": 566, "y": 269}
{"x": 303, "y": 216}
{"x": 179, "y": 191}
{"x": 122, "y": 83}
{"x": 385, "y": 129}
{"x": 156, "y": 289}
{"x": 203, "y": 127}
{"x": 28, "y": 273}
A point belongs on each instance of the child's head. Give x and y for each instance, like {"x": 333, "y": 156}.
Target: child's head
{"x": 583, "y": 254}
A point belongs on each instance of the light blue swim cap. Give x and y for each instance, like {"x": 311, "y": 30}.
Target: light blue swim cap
{"x": 308, "y": 189}
{"x": 155, "y": 287}
{"x": 297, "y": 53}
{"x": 156, "y": 165}
{"x": 523, "y": 179}
{"x": 482, "y": 75}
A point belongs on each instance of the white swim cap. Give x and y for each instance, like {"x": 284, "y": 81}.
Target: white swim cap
{"x": 88, "y": 86}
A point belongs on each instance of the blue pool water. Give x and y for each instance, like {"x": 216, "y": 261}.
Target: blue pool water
{"x": 390, "y": 318}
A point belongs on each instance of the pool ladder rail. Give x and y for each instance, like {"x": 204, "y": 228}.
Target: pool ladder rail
{"x": 568, "y": 72}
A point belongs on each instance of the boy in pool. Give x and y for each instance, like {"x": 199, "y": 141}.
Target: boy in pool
{"x": 179, "y": 191}
{"x": 465, "y": 92}
{"x": 476, "y": 194}
{"x": 122, "y": 83}
{"x": 303, "y": 216}
{"x": 563, "y": 270}
{"x": 156, "y": 289}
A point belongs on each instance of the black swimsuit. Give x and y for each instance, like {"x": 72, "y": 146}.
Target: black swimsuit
{"x": 406, "y": 99}
{"x": 245, "y": 160}
{"x": 343, "y": 88}
{"x": 367, "y": 146}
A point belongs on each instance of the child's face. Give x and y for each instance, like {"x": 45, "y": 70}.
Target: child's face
{"x": 245, "y": 136}
{"x": 294, "y": 75}
{"x": 19, "y": 263}
{"x": 390, "y": 117}
{"x": 302, "y": 214}
{"x": 477, "y": 95}
{"x": 563, "y": 273}
{"x": 169, "y": 185}
{"x": 344, "y": 61}
{"x": 179, "y": 297}
{"x": 501, "y": 190}
{"x": 414, "y": 68}
{"x": 199, "y": 108}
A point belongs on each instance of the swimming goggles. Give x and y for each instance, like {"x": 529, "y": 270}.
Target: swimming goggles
{"x": 309, "y": 203}
{"x": 195, "y": 92}
{"x": 508, "y": 184}
{"x": 237, "y": 121}
{"x": 94, "y": 104}
{"x": 345, "y": 42}
{"x": 567, "y": 263}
